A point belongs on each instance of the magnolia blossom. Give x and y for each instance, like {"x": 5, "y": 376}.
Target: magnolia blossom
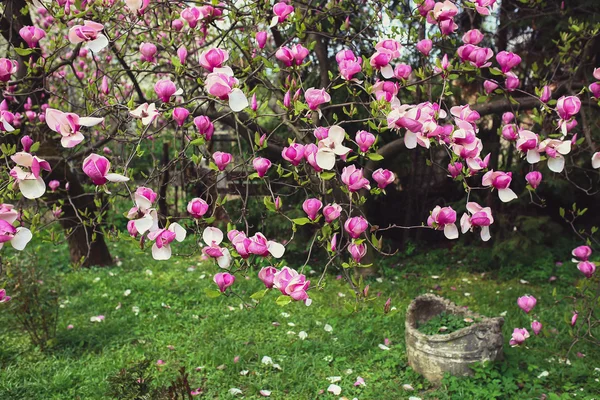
{"x": 8, "y": 213}
{"x": 148, "y": 51}
{"x": 331, "y": 146}
{"x": 534, "y": 178}
{"x": 146, "y": 112}
{"x": 364, "y": 140}
{"x": 180, "y": 114}
{"x": 197, "y": 207}
{"x": 444, "y": 219}
{"x": 353, "y": 178}
{"x": 518, "y": 337}
{"x": 294, "y": 55}
{"x": 17, "y": 237}
{"x": 355, "y": 226}
{"x": 165, "y": 88}
{"x": 383, "y": 177}
{"x": 89, "y": 33}
{"x": 68, "y": 125}
{"x": 474, "y": 37}
{"x": 291, "y": 283}
{"x": 331, "y": 212}
{"x": 500, "y": 180}
{"x": 96, "y": 167}
{"x": 7, "y": 68}
{"x": 479, "y": 217}
{"x": 555, "y": 150}
{"x": 144, "y": 217}
{"x": 424, "y": 46}
{"x": 528, "y": 143}
{"x": 587, "y": 268}
{"x": 27, "y": 174}
{"x": 213, "y": 238}
{"x": 281, "y": 10}
{"x": 536, "y": 327}
{"x": 526, "y": 303}
{"x": 137, "y": 5}
{"x": 224, "y": 280}
{"x": 596, "y": 160}
{"x": 357, "y": 251}
{"x": 205, "y": 127}
{"x": 261, "y": 165}
{"x": 312, "y": 207}
{"x": 310, "y": 154}
{"x": 315, "y": 97}
{"x": 3, "y": 297}
{"x": 294, "y": 153}
{"x": 477, "y": 56}
{"x": 32, "y": 35}
{"x": 267, "y": 276}
{"x": 221, "y": 83}
{"x": 222, "y": 159}
{"x": 568, "y": 106}
{"x": 213, "y": 58}
{"x": 348, "y": 64}
{"x": 507, "y": 60}
{"x": 161, "y": 249}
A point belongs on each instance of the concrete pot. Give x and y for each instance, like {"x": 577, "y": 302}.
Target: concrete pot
{"x": 434, "y": 355}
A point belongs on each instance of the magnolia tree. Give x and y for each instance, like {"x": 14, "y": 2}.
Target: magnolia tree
{"x": 315, "y": 96}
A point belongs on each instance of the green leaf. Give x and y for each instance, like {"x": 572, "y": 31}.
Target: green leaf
{"x": 269, "y": 204}
{"x": 259, "y": 295}
{"x": 327, "y": 175}
{"x": 375, "y": 157}
{"x": 212, "y": 293}
{"x": 301, "y": 221}
{"x": 198, "y": 142}
{"x": 34, "y": 147}
{"x": 23, "y": 52}
{"x": 283, "y": 300}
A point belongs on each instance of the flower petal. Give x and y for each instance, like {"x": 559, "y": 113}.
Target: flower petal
{"x": 116, "y": 177}
{"x": 506, "y": 195}
{"x": 98, "y": 44}
{"x": 163, "y": 253}
{"x": 277, "y": 250}
{"x": 325, "y": 159}
{"x": 450, "y": 231}
{"x": 212, "y": 236}
{"x": 237, "y": 100}
{"x": 21, "y": 238}
{"x": 32, "y": 188}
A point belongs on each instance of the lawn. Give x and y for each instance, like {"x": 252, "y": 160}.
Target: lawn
{"x": 160, "y": 311}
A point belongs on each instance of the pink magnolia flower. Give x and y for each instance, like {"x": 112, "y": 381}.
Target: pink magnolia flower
{"x": 312, "y": 207}
{"x": 518, "y": 337}
{"x": 534, "y": 178}
{"x": 315, "y": 97}
{"x": 27, "y": 174}
{"x": 444, "y": 219}
{"x": 137, "y": 6}
{"x": 294, "y": 55}
{"x": 53, "y": 185}
{"x": 489, "y": 86}
{"x": 455, "y": 169}
{"x": 68, "y": 125}
{"x": 260, "y": 246}
{"x": 476, "y": 56}
{"x": 17, "y": 237}
{"x": 595, "y": 89}
{"x": 482, "y": 6}
{"x": 348, "y": 64}
{"x": 197, "y": 207}
{"x": 221, "y": 84}
{"x": 596, "y": 73}
{"x": 205, "y": 126}
{"x": 131, "y": 229}
{"x": 507, "y": 60}
{"x": 177, "y": 25}
{"x": 390, "y": 46}
{"x": 508, "y": 117}
{"x": 357, "y": 251}
{"x": 353, "y": 179}
{"x": 281, "y": 10}
{"x": 474, "y": 37}
{"x": 104, "y": 86}
{"x": 267, "y": 276}
{"x": 180, "y": 114}
{"x": 294, "y": 153}
{"x": 213, "y": 58}
{"x": 355, "y": 226}
{"x": 587, "y": 268}
{"x": 332, "y": 212}
{"x": 380, "y": 60}
{"x": 261, "y": 39}
{"x": 555, "y": 150}
{"x": 146, "y": 112}
{"x": 424, "y": 46}
{"x": 310, "y": 154}
{"x": 165, "y": 88}
{"x": 500, "y": 180}
{"x": 480, "y": 217}
{"x": 261, "y": 165}
{"x": 526, "y": 303}
{"x": 465, "y": 113}
{"x": 291, "y": 283}
{"x": 509, "y": 132}
{"x": 334, "y": 242}
{"x": 148, "y": 52}
{"x": 32, "y": 35}
{"x": 222, "y": 159}
{"x": 582, "y": 253}
{"x": 161, "y": 249}
{"x": 402, "y": 71}
{"x": 7, "y": 68}
{"x": 254, "y": 104}
{"x": 425, "y": 7}
{"x": 89, "y": 33}
{"x": 224, "y": 280}
{"x": 96, "y": 168}
{"x": 8, "y": 213}
{"x": 3, "y": 297}
{"x": 568, "y": 106}
{"x": 182, "y": 54}
{"x": 213, "y": 238}
{"x": 383, "y": 177}
{"x": 546, "y": 94}
{"x": 536, "y": 327}
{"x": 321, "y": 132}
{"x": 574, "y": 318}
{"x": 386, "y": 90}
{"x": 191, "y": 15}
{"x": 364, "y": 140}
{"x": 528, "y": 143}
{"x": 511, "y": 82}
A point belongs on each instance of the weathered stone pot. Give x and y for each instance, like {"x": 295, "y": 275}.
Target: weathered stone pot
{"x": 434, "y": 355}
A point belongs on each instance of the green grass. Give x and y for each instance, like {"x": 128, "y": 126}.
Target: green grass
{"x": 209, "y": 333}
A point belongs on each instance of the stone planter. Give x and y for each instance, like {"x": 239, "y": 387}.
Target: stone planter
{"x": 434, "y": 355}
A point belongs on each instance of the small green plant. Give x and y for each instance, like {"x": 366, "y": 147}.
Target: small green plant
{"x": 445, "y": 323}
{"x": 132, "y": 383}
